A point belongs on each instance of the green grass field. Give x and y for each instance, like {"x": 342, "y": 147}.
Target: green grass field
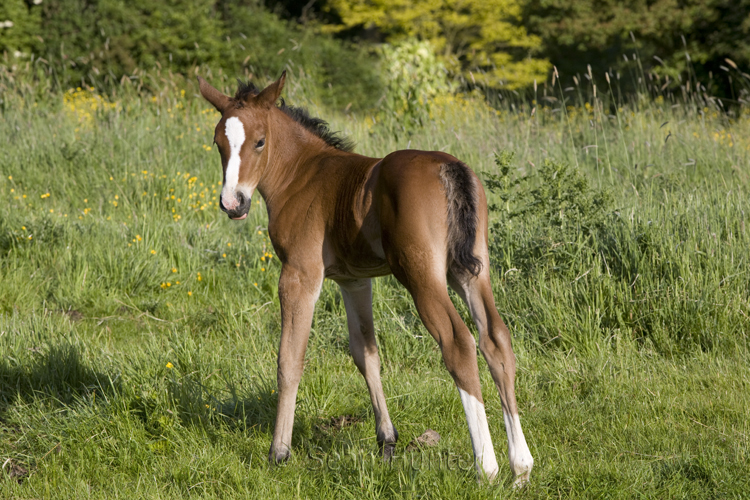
{"x": 139, "y": 326}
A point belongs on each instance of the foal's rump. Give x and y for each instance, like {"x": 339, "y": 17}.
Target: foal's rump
{"x": 432, "y": 213}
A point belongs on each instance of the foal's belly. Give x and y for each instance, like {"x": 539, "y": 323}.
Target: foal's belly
{"x": 361, "y": 259}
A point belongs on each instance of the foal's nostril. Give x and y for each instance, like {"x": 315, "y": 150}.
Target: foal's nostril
{"x": 241, "y": 198}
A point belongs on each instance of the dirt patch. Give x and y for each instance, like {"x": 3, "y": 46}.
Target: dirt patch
{"x": 427, "y": 439}
{"x": 14, "y": 470}
{"x": 337, "y": 423}
{"x": 74, "y": 315}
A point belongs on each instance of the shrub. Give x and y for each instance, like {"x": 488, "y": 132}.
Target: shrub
{"x": 560, "y": 214}
{"x": 96, "y": 41}
{"x": 414, "y": 77}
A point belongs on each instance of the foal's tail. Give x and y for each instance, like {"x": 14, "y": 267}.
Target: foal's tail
{"x": 461, "y": 192}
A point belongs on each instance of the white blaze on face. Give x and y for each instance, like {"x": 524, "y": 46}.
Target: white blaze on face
{"x": 479, "y": 430}
{"x": 235, "y": 132}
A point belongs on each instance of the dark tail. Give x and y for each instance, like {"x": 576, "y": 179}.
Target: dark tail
{"x": 461, "y": 192}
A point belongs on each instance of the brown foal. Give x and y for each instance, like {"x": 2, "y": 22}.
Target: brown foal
{"x": 335, "y": 214}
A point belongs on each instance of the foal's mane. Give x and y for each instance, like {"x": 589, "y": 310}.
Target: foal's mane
{"x": 317, "y": 126}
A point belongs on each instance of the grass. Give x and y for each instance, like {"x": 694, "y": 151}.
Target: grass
{"x": 139, "y": 326}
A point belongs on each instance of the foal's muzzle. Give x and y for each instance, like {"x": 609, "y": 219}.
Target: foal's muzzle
{"x": 240, "y": 211}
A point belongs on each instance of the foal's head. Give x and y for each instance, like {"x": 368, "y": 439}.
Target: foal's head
{"x": 241, "y": 138}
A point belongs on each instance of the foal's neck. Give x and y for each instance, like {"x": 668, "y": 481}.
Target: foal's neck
{"x": 292, "y": 149}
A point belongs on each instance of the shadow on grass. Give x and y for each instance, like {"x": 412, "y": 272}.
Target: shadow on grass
{"x": 253, "y": 410}
{"x": 681, "y": 469}
{"x": 236, "y": 411}
{"x": 58, "y": 374}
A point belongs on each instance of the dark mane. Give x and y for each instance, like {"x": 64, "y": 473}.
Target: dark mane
{"x": 245, "y": 90}
{"x": 318, "y": 127}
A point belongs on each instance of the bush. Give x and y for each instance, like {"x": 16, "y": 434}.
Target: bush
{"x": 20, "y": 27}
{"x": 577, "y": 33}
{"x": 554, "y": 206}
{"x": 585, "y": 274}
{"x": 342, "y": 74}
{"x": 96, "y": 41}
{"x": 414, "y": 77}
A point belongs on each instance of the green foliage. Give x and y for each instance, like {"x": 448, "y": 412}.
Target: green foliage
{"x": 97, "y": 41}
{"x": 481, "y": 40}
{"x": 336, "y": 72}
{"x": 578, "y": 33}
{"x": 20, "y": 26}
{"x": 108, "y": 37}
{"x": 555, "y": 204}
{"x": 551, "y": 225}
{"x": 414, "y": 77}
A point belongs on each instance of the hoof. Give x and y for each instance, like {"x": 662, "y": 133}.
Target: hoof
{"x": 521, "y": 480}
{"x": 521, "y": 468}
{"x": 487, "y": 476}
{"x": 388, "y": 447}
{"x": 387, "y": 450}
{"x": 277, "y": 457}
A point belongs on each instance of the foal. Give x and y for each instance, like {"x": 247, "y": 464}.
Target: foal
{"x": 332, "y": 213}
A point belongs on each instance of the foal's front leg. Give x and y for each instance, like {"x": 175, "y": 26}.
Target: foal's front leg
{"x": 298, "y": 291}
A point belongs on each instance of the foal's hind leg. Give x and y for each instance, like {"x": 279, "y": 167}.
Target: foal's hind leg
{"x": 430, "y": 293}
{"x": 358, "y": 301}
{"x": 495, "y": 344}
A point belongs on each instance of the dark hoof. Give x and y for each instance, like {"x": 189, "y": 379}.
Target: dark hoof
{"x": 388, "y": 448}
{"x": 277, "y": 457}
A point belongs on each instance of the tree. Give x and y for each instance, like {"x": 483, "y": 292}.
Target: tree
{"x": 482, "y": 40}
{"x": 19, "y": 26}
{"x": 598, "y": 32}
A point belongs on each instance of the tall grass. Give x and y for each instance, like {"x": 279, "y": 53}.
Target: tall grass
{"x": 139, "y": 326}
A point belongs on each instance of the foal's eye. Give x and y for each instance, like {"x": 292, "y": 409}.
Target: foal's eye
{"x": 260, "y": 144}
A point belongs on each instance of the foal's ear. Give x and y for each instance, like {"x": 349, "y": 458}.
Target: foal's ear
{"x": 216, "y": 98}
{"x": 270, "y": 94}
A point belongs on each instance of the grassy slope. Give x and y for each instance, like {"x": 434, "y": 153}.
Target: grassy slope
{"x": 138, "y": 333}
